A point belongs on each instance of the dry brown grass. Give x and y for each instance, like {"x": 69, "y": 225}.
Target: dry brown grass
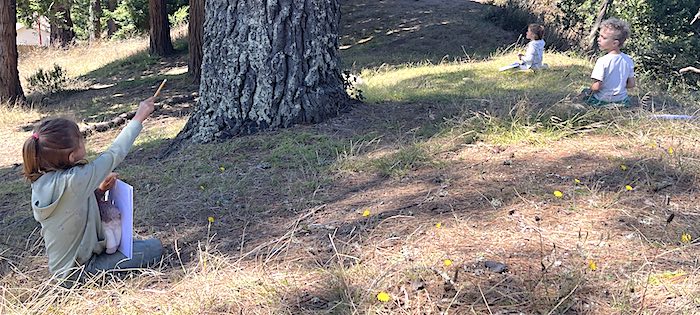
{"x": 79, "y": 59}
{"x": 290, "y": 237}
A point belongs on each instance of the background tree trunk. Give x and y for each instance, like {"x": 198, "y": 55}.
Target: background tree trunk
{"x": 10, "y": 87}
{"x": 591, "y": 39}
{"x": 95, "y": 16}
{"x": 61, "y": 24}
{"x": 195, "y": 30}
{"x": 160, "y": 43}
{"x": 267, "y": 64}
{"x": 111, "y": 25}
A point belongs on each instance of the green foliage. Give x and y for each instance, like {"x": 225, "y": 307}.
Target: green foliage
{"x": 351, "y": 83}
{"x": 132, "y": 18}
{"x": 80, "y": 14}
{"x": 48, "y": 82}
{"x": 180, "y": 16}
{"x": 659, "y": 45}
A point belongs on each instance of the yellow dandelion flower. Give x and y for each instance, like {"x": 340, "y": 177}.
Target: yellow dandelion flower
{"x": 592, "y": 265}
{"x": 558, "y": 194}
{"x": 438, "y": 225}
{"x": 221, "y": 168}
{"x": 577, "y": 181}
{"x": 366, "y": 213}
{"x": 686, "y": 238}
{"x": 210, "y": 219}
{"x": 623, "y": 167}
{"x": 383, "y": 297}
{"x": 670, "y": 150}
{"x": 629, "y": 188}
{"x": 447, "y": 262}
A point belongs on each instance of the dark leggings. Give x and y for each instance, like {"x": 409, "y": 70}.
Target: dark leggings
{"x": 145, "y": 253}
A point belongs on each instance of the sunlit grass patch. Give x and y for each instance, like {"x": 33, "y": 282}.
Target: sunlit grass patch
{"x": 80, "y": 59}
{"x": 214, "y": 283}
{"x": 475, "y": 80}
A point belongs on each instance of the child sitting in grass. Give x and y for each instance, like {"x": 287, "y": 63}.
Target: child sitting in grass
{"x": 532, "y": 59}
{"x": 64, "y": 188}
{"x": 613, "y": 73}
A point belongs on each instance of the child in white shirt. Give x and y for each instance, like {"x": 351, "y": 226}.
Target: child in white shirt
{"x": 613, "y": 73}
{"x": 532, "y": 59}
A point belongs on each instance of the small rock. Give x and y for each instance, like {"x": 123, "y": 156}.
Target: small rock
{"x": 417, "y": 285}
{"x": 263, "y": 165}
{"x": 495, "y": 266}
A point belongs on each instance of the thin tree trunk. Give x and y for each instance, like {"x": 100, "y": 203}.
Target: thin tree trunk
{"x": 10, "y": 87}
{"x": 270, "y": 64}
{"x": 195, "y": 30}
{"x": 591, "y": 39}
{"x": 95, "y": 16}
{"x": 160, "y": 43}
{"x": 111, "y": 25}
{"x": 61, "y": 24}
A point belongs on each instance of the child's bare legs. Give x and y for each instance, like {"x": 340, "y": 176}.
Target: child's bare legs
{"x": 145, "y": 253}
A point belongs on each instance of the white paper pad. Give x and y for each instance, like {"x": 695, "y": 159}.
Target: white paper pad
{"x": 123, "y": 196}
{"x": 510, "y": 66}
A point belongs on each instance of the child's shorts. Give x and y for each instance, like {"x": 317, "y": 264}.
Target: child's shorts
{"x": 593, "y": 101}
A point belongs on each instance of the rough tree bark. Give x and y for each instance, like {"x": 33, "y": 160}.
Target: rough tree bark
{"x": 195, "y": 30}
{"x": 267, "y": 64}
{"x": 10, "y": 87}
{"x": 111, "y": 25}
{"x": 160, "y": 43}
{"x": 61, "y": 23}
{"x": 95, "y": 16}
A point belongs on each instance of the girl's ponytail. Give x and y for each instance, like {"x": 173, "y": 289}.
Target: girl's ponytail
{"x": 31, "y": 160}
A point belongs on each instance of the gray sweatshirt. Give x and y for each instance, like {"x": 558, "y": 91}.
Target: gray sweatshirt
{"x": 64, "y": 203}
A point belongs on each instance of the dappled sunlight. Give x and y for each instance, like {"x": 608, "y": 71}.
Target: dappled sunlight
{"x": 395, "y": 206}
{"x": 409, "y": 32}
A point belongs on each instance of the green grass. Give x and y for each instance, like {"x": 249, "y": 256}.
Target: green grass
{"x": 428, "y": 129}
{"x": 476, "y": 81}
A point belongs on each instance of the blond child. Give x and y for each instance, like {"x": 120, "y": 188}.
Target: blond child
{"x": 613, "y": 73}
{"x": 64, "y": 187}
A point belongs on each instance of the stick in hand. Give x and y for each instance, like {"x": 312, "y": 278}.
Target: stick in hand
{"x": 160, "y": 88}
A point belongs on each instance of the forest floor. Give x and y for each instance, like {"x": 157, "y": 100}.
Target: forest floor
{"x": 446, "y": 173}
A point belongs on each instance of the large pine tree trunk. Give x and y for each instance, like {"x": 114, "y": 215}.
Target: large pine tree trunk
{"x": 160, "y": 43}
{"x": 111, "y": 25}
{"x": 61, "y": 23}
{"x": 267, "y": 64}
{"x": 10, "y": 87}
{"x": 95, "y": 16}
{"x": 195, "y": 30}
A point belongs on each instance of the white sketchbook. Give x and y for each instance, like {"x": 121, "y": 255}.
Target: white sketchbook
{"x": 510, "y": 66}
{"x": 123, "y": 196}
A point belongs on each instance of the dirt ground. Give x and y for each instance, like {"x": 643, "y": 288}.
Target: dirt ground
{"x": 480, "y": 202}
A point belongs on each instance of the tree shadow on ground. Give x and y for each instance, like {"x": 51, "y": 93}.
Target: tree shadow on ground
{"x": 270, "y": 210}
{"x": 398, "y": 32}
